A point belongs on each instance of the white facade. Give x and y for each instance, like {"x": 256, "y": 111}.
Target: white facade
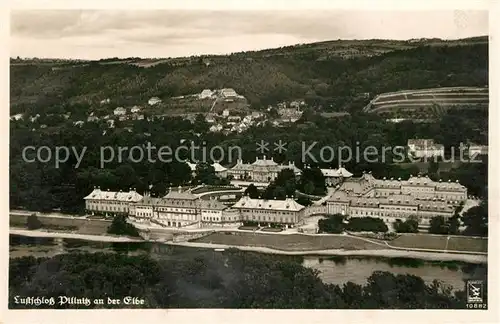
{"x": 228, "y": 93}
{"x": 110, "y": 202}
{"x": 207, "y": 93}
{"x": 335, "y": 176}
{"x": 425, "y": 148}
{"x": 285, "y": 212}
{"x": 262, "y": 170}
{"x": 396, "y": 199}
{"x": 474, "y": 150}
{"x": 135, "y": 109}
{"x": 154, "y": 101}
{"x": 120, "y": 111}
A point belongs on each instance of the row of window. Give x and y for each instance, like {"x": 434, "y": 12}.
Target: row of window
{"x": 269, "y": 219}
{"x": 258, "y": 211}
{"x": 107, "y": 208}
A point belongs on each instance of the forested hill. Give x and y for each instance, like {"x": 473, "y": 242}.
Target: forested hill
{"x": 334, "y": 76}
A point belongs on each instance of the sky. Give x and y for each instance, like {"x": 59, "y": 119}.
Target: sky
{"x": 96, "y": 34}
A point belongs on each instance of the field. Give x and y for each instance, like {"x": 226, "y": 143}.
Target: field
{"x": 410, "y": 100}
{"x": 290, "y": 242}
{"x": 297, "y": 242}
{"x": 455, "y": 243}
{"x": 83, "y": 226}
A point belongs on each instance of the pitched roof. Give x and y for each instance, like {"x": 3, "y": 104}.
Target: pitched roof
{"x": 283, "y": 205}
{"x": 340, "y": 172}
{"x": 218, "y": 167}
{"x": 212, "y": 204}
{"x": 98, "y": 194}
{"x": 182, "y": 195}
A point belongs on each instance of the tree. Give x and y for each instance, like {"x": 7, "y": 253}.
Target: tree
{"x": 120, "y": 226}
{"x": 438, "y": 225}
{"x": 454, "y": 225}
{"x": 312, "y": 182}
{"x": 408, "y": 226}
{"x": 205, "y": 173}
{"x": 33, "y": 223}
{"x": 252, "y": 191}
{"x": 476, "y": 220}
{"x": 369, "y": 224}
{"x": 332, "y": 224}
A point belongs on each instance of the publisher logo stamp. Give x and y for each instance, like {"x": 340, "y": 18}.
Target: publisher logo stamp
{"x": 475, "y": 291}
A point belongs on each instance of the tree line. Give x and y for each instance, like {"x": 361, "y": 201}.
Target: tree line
{"x": 232, "y": 279}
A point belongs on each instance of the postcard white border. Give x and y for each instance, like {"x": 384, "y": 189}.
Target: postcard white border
{"x": 263, "y": 316}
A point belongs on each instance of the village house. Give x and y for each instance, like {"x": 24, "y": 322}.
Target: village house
{"x": 154, "y": 101}
{"x": 228, "y": 93}
{"x": 216, "y": 128}
{"x": 135, "y": 109}
{"x": 425, "y": 148}
{"x": 475, "y": 149}
{"x": 207, "y": 93}
{"x": 119, "y": 111}
{"x": 16, "y": 117}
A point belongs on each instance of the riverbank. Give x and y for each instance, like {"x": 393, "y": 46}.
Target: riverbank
{"x": 387, "y": 253}
{"x": 86, "y": 237}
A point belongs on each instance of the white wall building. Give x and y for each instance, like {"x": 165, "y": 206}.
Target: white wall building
{"x": 335, "y": 176}
{"x": 154, "y": 101}
{"x": 228, "y": 93}
{"x": 205, "y": 94}
{"x": 119, "y": 111}
{"x": 110, "y": 202}
{"x": 135, "y": 109}
{"x": 396, "y": 199}
{"x": 285, "y": 212}
{"x": 475, "y": 149}
{"x": 425, "y": 148}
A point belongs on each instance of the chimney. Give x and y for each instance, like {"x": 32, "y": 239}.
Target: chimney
{"x": 272, "y": 158}
{"x": 264, "y": 158}
{"x": 180, "y": 189}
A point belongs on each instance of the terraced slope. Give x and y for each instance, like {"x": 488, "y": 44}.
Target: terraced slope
{"x": 423, "y": 99}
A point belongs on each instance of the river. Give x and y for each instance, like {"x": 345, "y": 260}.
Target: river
{"x": 335, "y": 270}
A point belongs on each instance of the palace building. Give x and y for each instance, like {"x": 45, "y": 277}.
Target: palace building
{"x": 396, "y": 199}
{"x": 110, "y": 202}
{"x": 335, "y": 176}
{"x": 262, "y": 170}
{"x": 284, "y": 212}
{"x": 180, "y": 209}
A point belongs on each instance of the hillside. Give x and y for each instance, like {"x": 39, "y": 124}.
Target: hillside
{"x": 424, "y": 101}
{"x": 331, "y": 76}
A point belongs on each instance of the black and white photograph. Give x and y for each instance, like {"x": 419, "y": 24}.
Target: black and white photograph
{"x": 212, "y": 158}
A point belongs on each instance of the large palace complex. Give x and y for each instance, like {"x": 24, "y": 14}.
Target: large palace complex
{"x": 389, "y": 199}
